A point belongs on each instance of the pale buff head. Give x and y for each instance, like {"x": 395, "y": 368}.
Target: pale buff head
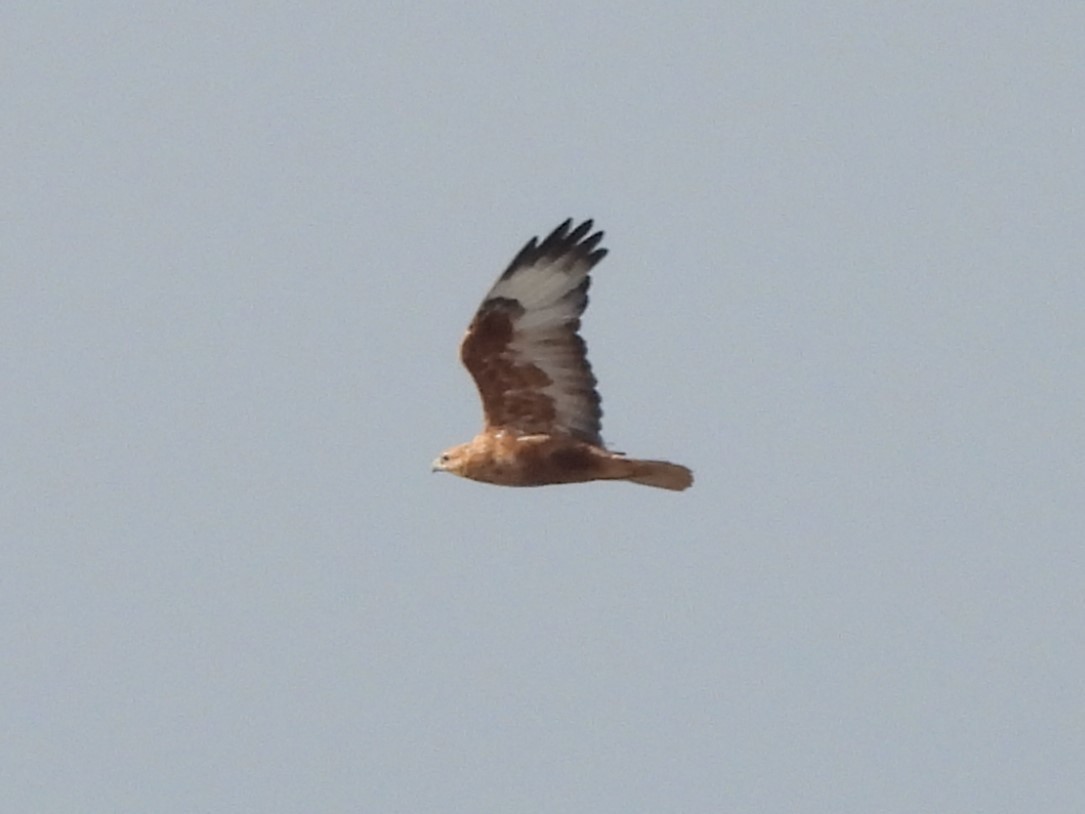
{"x": 452, "y": 460}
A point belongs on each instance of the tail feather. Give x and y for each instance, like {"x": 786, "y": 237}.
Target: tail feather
{"x": 661, "y": 474}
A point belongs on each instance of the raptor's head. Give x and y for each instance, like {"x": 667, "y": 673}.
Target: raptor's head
{"x": 451, "y": 460}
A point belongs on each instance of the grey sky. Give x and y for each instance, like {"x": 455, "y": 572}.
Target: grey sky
{"x": 238, "y": 247}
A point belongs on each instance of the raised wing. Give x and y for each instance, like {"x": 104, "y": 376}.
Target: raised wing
{"x": 523, "y": 349}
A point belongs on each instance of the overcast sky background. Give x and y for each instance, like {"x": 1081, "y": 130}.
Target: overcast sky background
{"x": 846, "y": 284}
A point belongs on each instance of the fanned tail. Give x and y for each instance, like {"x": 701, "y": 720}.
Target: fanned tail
{"x": 661, "y": 474}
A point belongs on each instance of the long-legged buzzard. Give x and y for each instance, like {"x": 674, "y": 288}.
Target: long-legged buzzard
{"x": 542, "y": 411}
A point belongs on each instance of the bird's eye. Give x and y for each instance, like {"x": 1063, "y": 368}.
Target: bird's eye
{"x": 444, "y": 459}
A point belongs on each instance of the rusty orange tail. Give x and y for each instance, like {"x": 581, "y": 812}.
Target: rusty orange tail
{"x": 661, "y": 474}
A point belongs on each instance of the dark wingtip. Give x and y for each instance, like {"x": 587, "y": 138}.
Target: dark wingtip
{"x": 578, "y": 242}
